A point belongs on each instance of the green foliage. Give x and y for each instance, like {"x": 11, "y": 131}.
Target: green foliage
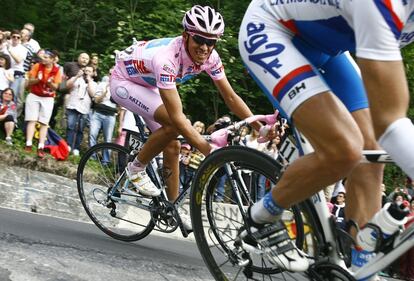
{"x": 72, "y": 26}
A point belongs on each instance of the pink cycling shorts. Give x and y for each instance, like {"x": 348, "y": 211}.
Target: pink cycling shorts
{"x": 137, "y": 99}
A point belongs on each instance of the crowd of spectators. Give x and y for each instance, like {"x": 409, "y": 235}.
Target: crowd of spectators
{"x": 34, "y": 88}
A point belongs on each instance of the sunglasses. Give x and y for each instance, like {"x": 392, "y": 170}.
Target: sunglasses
{"x": 201, "y": 40}
{"x": 16, "y": 37}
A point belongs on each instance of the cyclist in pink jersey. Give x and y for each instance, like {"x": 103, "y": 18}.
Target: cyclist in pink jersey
{"x": 144, "y": 81}
{"x": 296, "y": 51}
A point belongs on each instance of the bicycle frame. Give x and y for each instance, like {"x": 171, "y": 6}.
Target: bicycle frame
{"x": 135, "y": 140}
{"x": 290, "y": 150}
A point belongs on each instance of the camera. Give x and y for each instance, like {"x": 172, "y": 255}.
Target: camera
{"x": 85, "y": 77}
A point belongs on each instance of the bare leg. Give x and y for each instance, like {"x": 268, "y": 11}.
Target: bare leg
{"x": 9, "y": 127}
{"x": 159, "y": 139}
{"x": 337, "y": 142}
{"x": 363, "y": 185}
{"x": 171, "y": 168}
{"x": 43, "y": 133}
{"x": 30, "y": 129}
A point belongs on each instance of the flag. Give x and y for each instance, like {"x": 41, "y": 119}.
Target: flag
{"x": 56, "y": 145}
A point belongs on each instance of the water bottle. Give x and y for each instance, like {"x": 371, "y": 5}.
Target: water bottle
{"x": 389, "y": 219}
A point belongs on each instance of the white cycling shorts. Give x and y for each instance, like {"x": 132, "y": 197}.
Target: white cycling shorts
{"x": 281, "y": 70}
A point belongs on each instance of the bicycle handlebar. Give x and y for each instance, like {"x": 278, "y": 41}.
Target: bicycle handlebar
{"x": 219, "y": 138}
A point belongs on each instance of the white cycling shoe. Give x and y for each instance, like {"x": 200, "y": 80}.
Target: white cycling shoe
{"x": 273, "y": 239}
{"x": 142, "y": 181}
{"x": 186, "y": 220}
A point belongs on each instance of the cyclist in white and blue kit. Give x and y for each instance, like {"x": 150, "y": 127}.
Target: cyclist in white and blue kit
{"x": 297, "y": 51}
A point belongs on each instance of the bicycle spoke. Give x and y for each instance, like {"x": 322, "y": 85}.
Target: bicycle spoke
{"x": 118, "y": 214}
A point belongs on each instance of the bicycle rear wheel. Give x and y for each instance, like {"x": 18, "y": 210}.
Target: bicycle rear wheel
{"x": 217, "y": 215}
{"x": 100, "y": 181}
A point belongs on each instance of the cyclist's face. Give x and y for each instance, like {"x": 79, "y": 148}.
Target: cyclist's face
{"x": 199, "y": 53}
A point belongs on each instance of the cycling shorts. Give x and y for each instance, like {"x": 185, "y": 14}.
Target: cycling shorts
{"x": 289, "y": 70}
{"x": 138, "y": 99}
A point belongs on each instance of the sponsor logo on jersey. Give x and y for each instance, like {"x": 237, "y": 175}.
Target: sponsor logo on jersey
{"x": 268, "y": 59}
{"x": 407, "y": 37}
{"x": 135, "y": 67}
{"x": 183, "y": 79}
{"x": 121, "y": 92}
{"x": 335, "y": 3}
{"x": 168, "y": 69}
{"x": 167, "y": 78}
{"x": 217, "y": 71}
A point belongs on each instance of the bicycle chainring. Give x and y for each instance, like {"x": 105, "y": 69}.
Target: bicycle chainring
{"x": 164, "y": 215}
{"x": 325, "y": 271}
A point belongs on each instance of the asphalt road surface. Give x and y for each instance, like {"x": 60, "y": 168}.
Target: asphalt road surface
{"x": 37, "y": 247}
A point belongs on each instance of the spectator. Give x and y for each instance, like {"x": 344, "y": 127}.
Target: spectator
{"x": 33, "y": 43}
{"x": 8, "y": 113}
{"x": 3, "y": 40}
{"x": 252, "y": 140}
{"x": 32, "y": 49}
{"x": 102, "y": 115}
{"x": 95, "y": 64}
{"x": 384, "y": 197}
{"x": 60, "y": 97}
{"x": 409, "y": 193}
{"x": 44, "y": 79}
{"x": 186, "y": 173}
{"x": 17, "y": 54}
{"x": 83, "y": 89}
{"x": 271, "y": 148}
{"x": 71, "y": 69}
{"x": 126, "y": 122}
{"x": 6, "y": 74}
{"x": 339, "y": 209}
{"x": 31, "y": 46}
{"x": 200, "y": 127}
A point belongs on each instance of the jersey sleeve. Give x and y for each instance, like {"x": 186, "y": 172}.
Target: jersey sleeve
{"x": 34, "y": 70}
{"x": 216, "y": 71}
{"x": 58, "y": 77}
{"x": 378, "y": 25}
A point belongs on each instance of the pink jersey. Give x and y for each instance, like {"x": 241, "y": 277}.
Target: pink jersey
{"x": 163, "y": 63}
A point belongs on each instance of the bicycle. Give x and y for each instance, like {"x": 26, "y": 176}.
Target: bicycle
{"x": 105, "y": 191}
{"x": 318, "y": 235}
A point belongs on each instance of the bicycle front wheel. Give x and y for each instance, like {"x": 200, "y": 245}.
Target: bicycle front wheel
{"x": 101, "y": 180}
{"x": 219, "y": 205}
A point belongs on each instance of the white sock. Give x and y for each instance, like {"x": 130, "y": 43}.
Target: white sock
{"x": 398, "y": 141}
{"x": 136, "y": 166}
{"x": 41, "y": 145}
{"x": 28, "y": 143}
{"x": 266, "y": 210}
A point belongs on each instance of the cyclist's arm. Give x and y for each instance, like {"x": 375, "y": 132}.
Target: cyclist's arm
{"x": 172, "y": 103}
{"x": 387, "y": 90}
{"x": 233, "y": 101}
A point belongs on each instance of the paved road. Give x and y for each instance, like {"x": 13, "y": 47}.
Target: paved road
{"x": 41, "y": 246}
{"x": 36, "y": 247}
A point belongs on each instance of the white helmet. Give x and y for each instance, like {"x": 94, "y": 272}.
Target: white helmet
{"x": 204, "y": 20}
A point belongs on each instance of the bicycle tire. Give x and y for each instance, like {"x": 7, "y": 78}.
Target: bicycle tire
{"x": 217, "y": 259}
{"x": 96, "y": 177}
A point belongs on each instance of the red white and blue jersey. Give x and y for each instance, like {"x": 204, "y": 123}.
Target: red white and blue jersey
{"x": 163, "y": 63}
{"x": 373, "y": 29}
